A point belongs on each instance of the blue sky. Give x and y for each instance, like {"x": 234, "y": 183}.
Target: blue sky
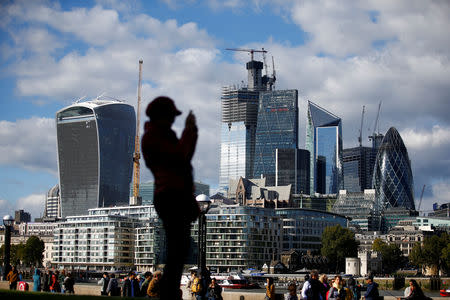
{"x": 341, "y": 55}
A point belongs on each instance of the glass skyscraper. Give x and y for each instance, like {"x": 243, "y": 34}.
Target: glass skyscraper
{"x": 392, "y": 177}
{"x": 237, "y": 148}
{"x": 292, "y": 167}
{"x": 324, "y": 142}
{"x": 277, "y": 128}
{"x": 95, "y": 155}
{"x": 358, "y": 163}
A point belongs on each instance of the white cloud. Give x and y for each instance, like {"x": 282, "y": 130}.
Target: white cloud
{"x": 34, "y": 204}
{"x": 29, "y": 143}
{"x": 6, "y": 208}
{"x": 423, "y": 140}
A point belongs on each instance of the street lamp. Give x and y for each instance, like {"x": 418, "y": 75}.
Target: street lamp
{"x": 8, "y": 221}
{"x": 203, "y": 203}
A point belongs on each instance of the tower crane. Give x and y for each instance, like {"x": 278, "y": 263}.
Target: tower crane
{"x": 137, "y": 154}
{"x": 421, "y": 196}
{"x": 361, "y": 128}
{"x": 251, "y": 51}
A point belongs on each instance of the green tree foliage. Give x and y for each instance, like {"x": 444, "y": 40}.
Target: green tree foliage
{"x": 434, "y": 252}
{"x": 17, "y": 254}
{"x": 337, "y": 244}
{"x": 34, "y": 250}
{"x": 391, "y": 255}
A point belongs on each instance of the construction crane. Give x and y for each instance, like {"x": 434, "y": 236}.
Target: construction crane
{"x": 137, "y": 154}
{"x": 421, "y": 196}
{"x": 375, "y": 135}
{"x": 361, "y": 128}
{"x": 251, "y": 51}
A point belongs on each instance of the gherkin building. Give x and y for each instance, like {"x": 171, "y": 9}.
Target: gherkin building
{"x": 392, "y": 176}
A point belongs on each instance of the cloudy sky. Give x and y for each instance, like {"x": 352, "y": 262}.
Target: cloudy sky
{"x": 340, "y": 54}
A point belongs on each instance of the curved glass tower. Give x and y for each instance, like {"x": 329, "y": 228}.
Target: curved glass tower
{"x": 95, "y": 155}
{"x": 392, "y": 177}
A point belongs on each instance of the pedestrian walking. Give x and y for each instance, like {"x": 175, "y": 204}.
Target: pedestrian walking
{"x": 37, "y": 280}
{"x": 325, "y": 286}
{"x": 312, "y": 288}
{"x": 113, "y": 288}
{"x": 54, "y": 285}
{"x": 214, "y": 290}
{"x": 270, "y": 289}
{"x": 372, "y": 289}
{"x": 337, "y": 291}
{"x": 154, "y": 287}
{"x": 148, "y": 277}
{"x": 131, "y": 286}
{"x": 69, "y": 283}
{"x": 13, "y": 278}
{"x": 169, "y": 159}
{"x": 103, "y": 282}
{"x": 292, "y": 291}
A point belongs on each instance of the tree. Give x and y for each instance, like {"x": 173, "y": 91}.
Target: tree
{"x": 34, "y": 250}
{"x": 391, "y": 255}
{"x": 17, "y": 254}
{"x": 445, "y": 257}
{"x": 337, "y": 244}
{"x": 432, "y": 253}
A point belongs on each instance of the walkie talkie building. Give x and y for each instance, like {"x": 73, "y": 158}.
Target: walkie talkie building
{"x": 95, "y": 155}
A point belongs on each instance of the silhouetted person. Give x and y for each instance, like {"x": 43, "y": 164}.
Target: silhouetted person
{"x": 169, "y": 159}
{"x": 13, "y": 278}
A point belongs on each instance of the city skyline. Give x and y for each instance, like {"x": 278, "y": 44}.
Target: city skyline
{"x": 54, "y": 53}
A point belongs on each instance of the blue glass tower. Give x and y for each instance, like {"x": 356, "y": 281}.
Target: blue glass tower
{"x": 392, "y": 177}
{"x": 277, "y": 128}
{"x": 95, "y": 155}
{"x": 324, "y": 142}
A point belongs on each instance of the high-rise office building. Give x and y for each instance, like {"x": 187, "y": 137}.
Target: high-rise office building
{"x": 52, "y": 207}
{"x": 277, "y": 128}
{"x": 358, "y": 163}
{"x": 95, "y": 155}
{"x": 324, "y": 142}
{"x": 292, "y": 167}
{"x": 22, "y": 216}
{"x": 239, "y": 115}
{"x": 392, "y": 177}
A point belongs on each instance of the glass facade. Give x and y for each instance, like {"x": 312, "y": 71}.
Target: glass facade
{"x": 292, "y": 167}
{"x": 324, "y": 142}
{"x": 392, "y": 178}
{"x": 303, "y": 228}
{"x": 95, "y": 149}
{"x": 277, "y": 128}
{"x": 237, "y": 149}
{"x": 358, "y": 166}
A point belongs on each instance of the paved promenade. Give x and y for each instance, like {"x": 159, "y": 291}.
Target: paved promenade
{"x": 92, "y": 289}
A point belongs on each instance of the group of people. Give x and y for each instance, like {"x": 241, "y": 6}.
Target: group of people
{"x": 203, "y": 289}
{"x": 47, "y": 281}
{"x": 133, "y": 285}
{"x": 320, "y": 288}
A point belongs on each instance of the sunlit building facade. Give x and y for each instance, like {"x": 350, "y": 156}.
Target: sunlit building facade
{"x": 392, "y": 178}
{"x": 324, "y": 142}
{"x": 95, "y": 154}
{"x": 238, "y": 129}
{"x": 277, "y": 128}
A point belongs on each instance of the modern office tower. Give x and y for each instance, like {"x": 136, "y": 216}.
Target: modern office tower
{"x": 303, "y": 228}
{"x": 237, "y": 148}
{"x": 324, "y": 142}
{"x": 391, "y": 216}
{"x": 95, "y": 155}
{"x": 22, "y": 216}
{"x": 392, "y": 177}
{"x": 361, "y": 207}
{"x": 292, "y": 167}
{"x": 146, "y": 190}
{"x": 239, "y": 115}
{"x": 241, "y": 237}
{"x": 52, "y": 207}
{"x": 358, "y": 163}
{"x": 277, "y": 128}
{"x": 322, "y": 202}
{"x": 442, "y": 210}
